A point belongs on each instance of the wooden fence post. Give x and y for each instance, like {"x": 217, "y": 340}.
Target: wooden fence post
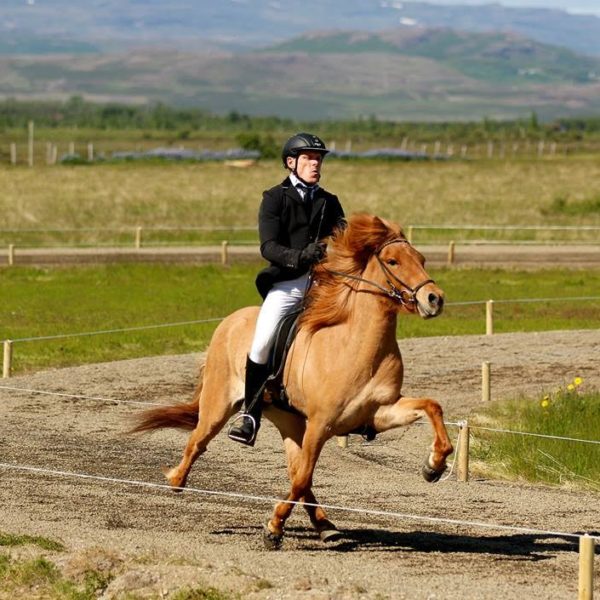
{"x": 451, "y": 247}
{"x": 489, "y": 317}
{"x": 342, "y": 441}
{"x": 224, "y": 252}
{"x": 540, "y": 150}
{"x": 409, "y": 234}
{"x": 30, "y": 128}
{"x": 586, "y": 568}
{"x": 90, "y": 152}
{"x": 486, "y": 389}
{"x": 13, "y": 154}
{"x": 138, "y": 238}
{"x": 11, "y": 254}
{"x": 7, "y": 359}
{"x": 462, "y": 473}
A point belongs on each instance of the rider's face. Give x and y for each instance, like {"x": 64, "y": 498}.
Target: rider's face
{"x": 308, "y": 166}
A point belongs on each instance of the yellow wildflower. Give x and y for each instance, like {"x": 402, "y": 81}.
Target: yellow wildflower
{"x": 570, "y": 387}
{"x": 577, "y": 381}
{"x": 545, "y": 402}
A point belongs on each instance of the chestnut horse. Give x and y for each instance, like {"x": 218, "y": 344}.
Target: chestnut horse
{"x": 344, "y": 369}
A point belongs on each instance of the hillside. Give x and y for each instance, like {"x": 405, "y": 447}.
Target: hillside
{"x": 41, "y": 27}
{"x": 493, "y": 57}
{"x": 398, "y": 74}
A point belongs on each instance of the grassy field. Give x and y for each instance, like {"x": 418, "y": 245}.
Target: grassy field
{"x": 555, "y": 191}
{"x": 570, "y": 411}
{"x": 27, "y": 571}
{"x": 47, "y": 302}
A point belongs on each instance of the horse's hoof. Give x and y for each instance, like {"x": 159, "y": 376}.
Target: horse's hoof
{"x": 176, "y": 486}
{"x": 272, "y": 541}
{"x": 431, "y": 475}
{"x": 330, "y": 535}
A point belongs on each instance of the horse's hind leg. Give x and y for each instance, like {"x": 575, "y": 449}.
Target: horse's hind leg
{"x": 406, "y": 411}
{"x": 214, "y": 411}
{"x": 327, "y": 531}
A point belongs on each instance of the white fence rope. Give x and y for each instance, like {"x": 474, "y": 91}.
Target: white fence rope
{"x": 78, "y": 396}
{"x": 270, "y": 500}
{"x": 210, "y": 228}
{"x": 125, "y": 329}
{"x": 215, "y": 319}
{"x": 540, "y": 435}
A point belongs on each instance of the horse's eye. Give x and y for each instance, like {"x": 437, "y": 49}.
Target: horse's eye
{"x": 392, "y": 262}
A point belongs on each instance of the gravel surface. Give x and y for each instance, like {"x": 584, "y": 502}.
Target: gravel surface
{"x": 156, "y": 541}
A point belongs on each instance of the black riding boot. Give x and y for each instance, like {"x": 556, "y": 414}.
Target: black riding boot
{"x": 245, "y": 426}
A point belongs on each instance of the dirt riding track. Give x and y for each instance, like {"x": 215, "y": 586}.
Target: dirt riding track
{"x": 154, "y": 541}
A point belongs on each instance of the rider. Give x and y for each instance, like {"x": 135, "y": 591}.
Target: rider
{"x": 294, "y": 217}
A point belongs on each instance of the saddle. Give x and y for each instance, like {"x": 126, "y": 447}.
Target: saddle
{"x": 274, "y": 389}
{"x": 284, "y": 336}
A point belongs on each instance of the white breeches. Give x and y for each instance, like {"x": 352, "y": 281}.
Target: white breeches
{"x": 280, "y": 300}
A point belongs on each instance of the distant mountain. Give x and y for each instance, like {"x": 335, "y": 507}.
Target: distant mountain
{"x": 44, "y": 26}
{"x": 418, "y": 74}
{"x": 493, "y": 57}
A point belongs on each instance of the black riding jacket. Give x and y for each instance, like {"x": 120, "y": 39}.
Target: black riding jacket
{"x": 285, "y": 229}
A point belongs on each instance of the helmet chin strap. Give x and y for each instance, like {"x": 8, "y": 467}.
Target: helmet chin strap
{"x": 295, "y": 172}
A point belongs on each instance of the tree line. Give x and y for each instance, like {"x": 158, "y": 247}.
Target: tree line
{"x": 265, "y": 133}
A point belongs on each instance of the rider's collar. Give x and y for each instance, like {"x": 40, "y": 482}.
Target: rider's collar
{"x": 301, "y": 186}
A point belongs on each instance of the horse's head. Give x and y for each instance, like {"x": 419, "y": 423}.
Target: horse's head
{"x": 370, "y": 256}
{"x": 400, "y": 270}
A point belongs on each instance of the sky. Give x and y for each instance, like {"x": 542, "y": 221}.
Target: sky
{"x": 572, "y": 6}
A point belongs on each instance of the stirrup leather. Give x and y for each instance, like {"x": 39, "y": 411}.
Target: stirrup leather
{"x": 244, "y": 418}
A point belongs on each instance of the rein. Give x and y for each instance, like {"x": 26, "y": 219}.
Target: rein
{"x": 405, "y": 295}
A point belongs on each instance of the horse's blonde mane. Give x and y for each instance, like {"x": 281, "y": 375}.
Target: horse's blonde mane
{"x": 349, "y": 250}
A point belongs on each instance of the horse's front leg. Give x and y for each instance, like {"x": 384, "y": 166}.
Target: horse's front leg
{"x": 406, "y": 411}
{"x": 301, "y": 470}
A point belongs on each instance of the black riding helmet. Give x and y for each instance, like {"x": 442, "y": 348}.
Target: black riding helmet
{"x": 302, "y": 142}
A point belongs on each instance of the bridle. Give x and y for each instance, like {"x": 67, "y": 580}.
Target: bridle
{"x": 405, "y": 295}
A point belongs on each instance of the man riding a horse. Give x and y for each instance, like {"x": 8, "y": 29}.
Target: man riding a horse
{"x": 294, "y": 217}
{"x": 344, "y": 370}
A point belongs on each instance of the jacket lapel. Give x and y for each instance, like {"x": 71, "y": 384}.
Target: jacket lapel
{"x": 317, "y": 207}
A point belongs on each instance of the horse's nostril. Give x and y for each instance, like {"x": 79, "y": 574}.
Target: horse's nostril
{"x": 434, "y": 299}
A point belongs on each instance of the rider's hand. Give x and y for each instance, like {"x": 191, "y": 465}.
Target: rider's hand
{"x": 313, "y": 253}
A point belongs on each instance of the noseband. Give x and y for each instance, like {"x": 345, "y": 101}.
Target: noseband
{"x": 404, "y": 295}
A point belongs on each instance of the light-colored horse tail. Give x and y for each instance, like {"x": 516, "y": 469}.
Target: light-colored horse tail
{"x": 183, "y": 415}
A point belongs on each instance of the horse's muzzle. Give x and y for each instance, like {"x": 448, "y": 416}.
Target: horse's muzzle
{"x": 430, "y": 301}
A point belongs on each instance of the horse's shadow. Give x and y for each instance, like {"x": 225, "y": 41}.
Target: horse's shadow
{"x": 530, "y": 547}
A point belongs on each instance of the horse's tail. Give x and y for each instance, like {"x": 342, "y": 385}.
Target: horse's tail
{"x": 183, "y": 415}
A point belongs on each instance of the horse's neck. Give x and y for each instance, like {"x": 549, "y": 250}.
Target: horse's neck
{"x": 372, "y": 325}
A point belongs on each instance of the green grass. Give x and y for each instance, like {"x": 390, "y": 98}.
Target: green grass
{"x": 202, "y": 594}
{"x": 8, "y": 539}
{"x": 56, "y": 301}
{"x": 40, "y": 578}
{"x": 569, "y": 411}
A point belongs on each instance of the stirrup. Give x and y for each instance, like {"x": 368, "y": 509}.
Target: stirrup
{"x": 238, "y": 437}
